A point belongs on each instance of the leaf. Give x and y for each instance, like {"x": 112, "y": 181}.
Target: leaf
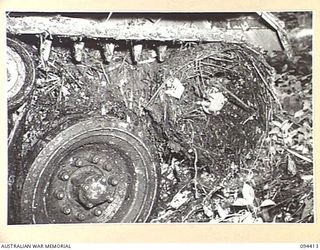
{"x": 307, "y": 105}
{"x": 65, "y": 91}
{"x": 307, "y": 178}
{"x": 247, "y": 218}
{"x": 163, "y": 215}
{"x": 275, "y": 130}
{"x": 267, "y": 203}
{"x": 207, "y": 209}
{"x": 250, "y": 176}
{"x": 276, "y": 123}
{"x": 292, "y": 166}
{"x": 222, "y": 212}
{"x": 258, "y": 220}
{"x": 179, "y": 199}
{"x": 286, "y": 125}
{"x": 248, "y": 193}
{"x": 308, "y": 209}
{"x": 174, "y": 88}
{"x": 299, "y": 113}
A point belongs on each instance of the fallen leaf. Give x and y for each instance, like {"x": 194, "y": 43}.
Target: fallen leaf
{"x": 247, "y": 218}
{"x": 174, "y": 88}
{"x": 258, "y": 220}
{"x": 222, "y": 212}
{"x": 179, "y": 199}
{"x": 292, "y": 166}
{"x": 65, "y": 91}
{"x": 307, "y": 178}
{"x": 267, "y": 203}
{"x": 299, "y": 113}
{"x": 207, "y": 209}
{"x": 308, "y": 209}
{"x": 248, "y": 193}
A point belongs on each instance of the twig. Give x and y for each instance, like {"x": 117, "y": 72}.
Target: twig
{"x": 284, "y": 201}
{"x": 70, "y": 75}
{"x": 195, "y": 173}
{"x": 299, "y": 155}
{"x": 218, "y": 66}
{"x": 220, "y": 59}
{"x": 155, "y": 94}
{"x": 234, "y": 96}
{"x": 60, "y": 93}
{"x": 121, "y": 65}
{"x": 181, "y": 67}
{"x": 201, "y": 75}
{"x": 22, "y": 111}
{"x": 260, "y": 148}
{"x": 104, "y": 73}
{"x": 267, "y": 85}
{"x": 194, "y": 210}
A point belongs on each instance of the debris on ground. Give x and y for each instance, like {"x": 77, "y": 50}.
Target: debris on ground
{"x": 233, "y": 135}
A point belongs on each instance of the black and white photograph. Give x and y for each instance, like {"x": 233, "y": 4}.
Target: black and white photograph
{"x": 160, "y": 117}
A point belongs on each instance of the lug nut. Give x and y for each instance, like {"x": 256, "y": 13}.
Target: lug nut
{"x": 95, "y": 159}
{"x": 113, "y": 181}
{"x": 86, "y": 187}
{"x": 81, "y": 216}
{"x": 64, "y": 176}
{"x": 97, "y": 212}
{"x": 66, "y": 210}
{"x": 107, "y": 167}
{"x": 103, "y": 180}
{"x": 59, "y": 194}
{"x": 110, "y": 199}
{"x": 79, "y": 163}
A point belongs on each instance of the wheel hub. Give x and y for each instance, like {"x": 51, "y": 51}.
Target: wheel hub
{"x": 20, "y": 73}
{"x": 91, "y": 172}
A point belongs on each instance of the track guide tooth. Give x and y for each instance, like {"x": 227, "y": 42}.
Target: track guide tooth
{"x": 78, "y": 49}
{"x": 136, "y": 51}
{"x": 45, "y": 49}
{"x": 108, "y": 49}
{"x": 161, "y": 52}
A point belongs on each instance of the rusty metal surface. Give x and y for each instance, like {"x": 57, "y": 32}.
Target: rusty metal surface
{"x": 162, "y": 28}
{"x": 20, "y": 73}
{"x": 95, "y": 171}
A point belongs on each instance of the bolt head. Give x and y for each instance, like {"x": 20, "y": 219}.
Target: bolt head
{"x": 86, "y": 187}
{"x": 103, "y": 180}
{"x": 81, "y": 216}
{"x": 95, "y": 159}
{"x": 97, "y": 212}
{"x": 64, "y": 176}
{"x": 110, "y": 199}
{"x": 79, "y": 163}
{"x": 59, "y": 194}
{"x": 66, "y": 210}
{"x": 113, "y": 181}
{"x": 107, "y": 167}
{"x": 90, "y": 205}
